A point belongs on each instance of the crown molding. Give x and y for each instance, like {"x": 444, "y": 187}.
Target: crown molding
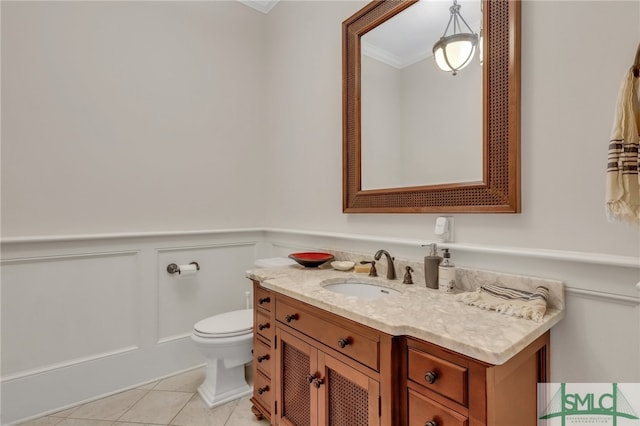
{"x": 263, "y": 6}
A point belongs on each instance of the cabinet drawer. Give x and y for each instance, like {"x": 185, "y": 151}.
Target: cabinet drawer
{"x": 262, "y": 357}
{"x": 443, "y": 377}
{"x": 263, "y": 325}
{"x": 263, "y": 391}
{"x": 422, "y": 410}
{"x": 344, "y": 339}
{"x": 262, "y": 298}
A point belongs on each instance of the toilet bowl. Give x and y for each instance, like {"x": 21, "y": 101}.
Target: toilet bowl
{"x": 226, "y": 341}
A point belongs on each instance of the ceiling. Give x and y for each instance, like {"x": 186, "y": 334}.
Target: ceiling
{"x": 409, "y": 36}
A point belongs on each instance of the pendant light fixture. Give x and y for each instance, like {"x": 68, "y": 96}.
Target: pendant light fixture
{"x": 454, "y": 52}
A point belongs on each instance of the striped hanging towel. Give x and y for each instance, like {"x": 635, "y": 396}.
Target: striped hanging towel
{"x": 623, "y": 188}
{"x": 509, "y": 301}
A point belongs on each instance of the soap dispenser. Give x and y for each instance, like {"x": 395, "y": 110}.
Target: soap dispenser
{"x": 431, "y": 264}
{"x": 446, "y": 273}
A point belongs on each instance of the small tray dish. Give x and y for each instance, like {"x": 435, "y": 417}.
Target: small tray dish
{"x": 342, "y": 265}
{"x": 311, "y": 259}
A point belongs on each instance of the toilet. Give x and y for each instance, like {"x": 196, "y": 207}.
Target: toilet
{"x": 226, "y": 341}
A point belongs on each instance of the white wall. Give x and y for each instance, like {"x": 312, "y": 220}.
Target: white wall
{"x": 569, "y": 91}
{"x": 130, "y": 116}
{"x": 442, "y": 124}
{"x": 420, "y": 125}
{"x": 112, "y": 132}
{"x": 381, "y": 115}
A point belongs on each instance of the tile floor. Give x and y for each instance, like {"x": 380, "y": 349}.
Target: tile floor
{"x": 171, "y": 401}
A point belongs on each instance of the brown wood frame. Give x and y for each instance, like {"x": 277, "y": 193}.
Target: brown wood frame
{"x": 499, "y": 191}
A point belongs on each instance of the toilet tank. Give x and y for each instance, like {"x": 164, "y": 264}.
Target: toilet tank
{"x": 274, "y": 262}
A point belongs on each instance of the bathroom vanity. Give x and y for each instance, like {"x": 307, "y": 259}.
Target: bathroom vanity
{"x": 323, "y": 358}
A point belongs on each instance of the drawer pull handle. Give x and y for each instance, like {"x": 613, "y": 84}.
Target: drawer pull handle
{"x": 311, "y": 378}
{"x": 291, "y": 317}
{"x": 431, "y": 377}
{"x": 264, "y": 300}
{"x": 263, "y": 358}
{"x": 263, "y": 390}
{"x": 431, "y": 423}
{"x": 343, "y": 342}
{"x": 317, "y": 383}
{"x": 263, "y": 326}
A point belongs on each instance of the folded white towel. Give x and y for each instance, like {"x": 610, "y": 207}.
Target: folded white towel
{"x": 509, "y": 301}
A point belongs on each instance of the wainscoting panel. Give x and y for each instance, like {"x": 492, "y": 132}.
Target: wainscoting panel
{"x": 598, "y": 340}
{"x": 61, "y": 310}
{"x": 88, "y": 316}
{"x": 218, "y": 287}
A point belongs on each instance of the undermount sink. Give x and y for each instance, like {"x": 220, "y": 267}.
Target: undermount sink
{"x": 361, "y": 289}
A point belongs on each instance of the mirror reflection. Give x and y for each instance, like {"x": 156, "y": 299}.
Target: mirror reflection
{"x": 420, "y": 125}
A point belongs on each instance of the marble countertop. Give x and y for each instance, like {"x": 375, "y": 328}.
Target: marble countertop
{"x": 417, "y": 311}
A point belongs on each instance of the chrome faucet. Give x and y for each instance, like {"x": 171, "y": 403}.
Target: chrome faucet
{"x": 391, "y": 269}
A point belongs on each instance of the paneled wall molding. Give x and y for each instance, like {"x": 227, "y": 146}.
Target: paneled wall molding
{"x": 65, "y": 364}
{"x": 174, "y": 338}
{"x": 563, "y": 255}
{"x": 267, "y": 233}
{"x": 115, "y": 289}
{"x": 610, "y": 297}
{"x": 34, "y": 259}
{"x": 205, "y": 246}
{"x": 124, "y": 235}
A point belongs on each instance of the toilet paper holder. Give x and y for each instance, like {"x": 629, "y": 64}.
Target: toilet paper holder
{"x": 172, "y": 268}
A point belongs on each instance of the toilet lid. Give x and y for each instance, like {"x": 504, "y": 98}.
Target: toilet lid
{"x": 227, "y": 324}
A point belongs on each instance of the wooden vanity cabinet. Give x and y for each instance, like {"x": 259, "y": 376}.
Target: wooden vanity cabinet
{"x": 315, "y": 368}
{"x": 327, "y": 370}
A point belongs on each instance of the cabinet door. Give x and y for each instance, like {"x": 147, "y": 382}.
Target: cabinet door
{"x": 296, "y": 360}
{"x": 346, "y": 397}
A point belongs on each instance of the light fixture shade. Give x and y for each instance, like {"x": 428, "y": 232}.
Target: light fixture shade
{"x": 454, "y": 52}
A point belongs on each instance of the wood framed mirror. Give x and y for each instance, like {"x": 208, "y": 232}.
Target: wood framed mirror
{"x": 498, "y": 188}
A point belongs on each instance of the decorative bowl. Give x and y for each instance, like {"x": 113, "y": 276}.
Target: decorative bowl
{"x": 311, "y": 259}
{"x": 342, "y": 265}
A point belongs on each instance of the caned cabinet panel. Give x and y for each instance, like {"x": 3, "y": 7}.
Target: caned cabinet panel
{"x": 317, "y": 389}
{"x": 296, "y": 361}
{"x": 347, "y": 397}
